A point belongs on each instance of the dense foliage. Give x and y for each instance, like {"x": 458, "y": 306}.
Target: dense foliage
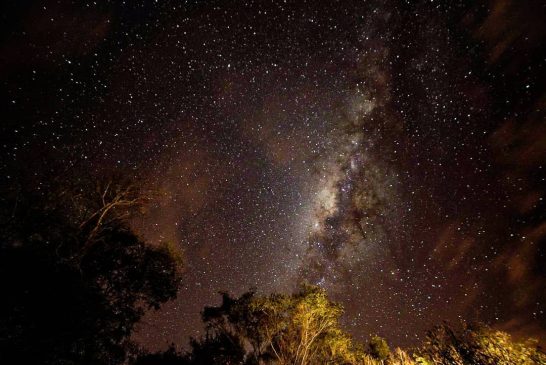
{"x": 75, "y": 279}
{"x": 303, "y": 329}
{"x": 288, "y": 329}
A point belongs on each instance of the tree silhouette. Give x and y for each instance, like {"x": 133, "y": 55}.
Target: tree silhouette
{"x": 168, "y": 357}
{"x": 75, "y": 279}
{"x": 220, "y": 348}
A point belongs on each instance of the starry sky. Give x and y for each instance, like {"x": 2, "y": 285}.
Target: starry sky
{"x": 391, "y": 152}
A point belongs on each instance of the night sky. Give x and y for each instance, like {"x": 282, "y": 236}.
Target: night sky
{"x": 391, "y": 152}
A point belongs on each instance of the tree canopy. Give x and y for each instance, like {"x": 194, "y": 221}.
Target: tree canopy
{"x": 303, "y": 328}
{"x": 75, "y": 278}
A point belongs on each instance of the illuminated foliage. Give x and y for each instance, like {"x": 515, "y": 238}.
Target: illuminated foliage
{"x": 283, "y": 329}
{"x": 479, "y": 345}
{"x": 303, "y": 329}
{"x": 379, "y": 348}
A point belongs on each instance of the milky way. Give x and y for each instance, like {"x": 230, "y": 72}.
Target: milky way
{"x": 390, "y": 153}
